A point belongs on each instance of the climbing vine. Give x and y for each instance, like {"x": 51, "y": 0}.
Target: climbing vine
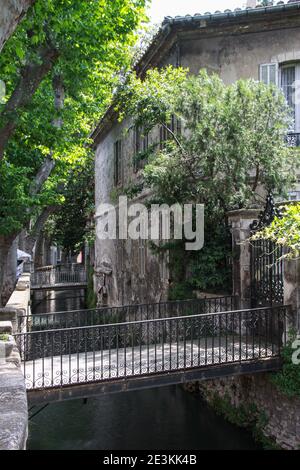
{"x": 288, "y": 379}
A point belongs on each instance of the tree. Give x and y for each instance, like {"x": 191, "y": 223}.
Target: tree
{"x": 70, "y": 224}
{"x": 266, "y": 3}
{"x": 67, "y": 51}
{"x": 285, "y": 231}
{"x": 232, "y": 145}
{"x": 12, "y": 13}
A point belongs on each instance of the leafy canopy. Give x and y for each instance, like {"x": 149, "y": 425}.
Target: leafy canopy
{"x": 232, "y": 142}
{"x": 285, "y": 230}
{"x": 233, "y": 139}
{"x": 91, "y": 41}
{"x": 71, "y": 224}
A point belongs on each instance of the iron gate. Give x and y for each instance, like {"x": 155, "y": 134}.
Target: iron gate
{"x": 266, "y": 263}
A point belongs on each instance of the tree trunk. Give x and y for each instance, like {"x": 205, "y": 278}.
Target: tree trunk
{"x": 12, "y": 12}
{"x": 8, "y": 267}
{"x": 34, "y": 234}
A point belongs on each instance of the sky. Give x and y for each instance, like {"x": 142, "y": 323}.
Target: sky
{"x": 162, "y": 8}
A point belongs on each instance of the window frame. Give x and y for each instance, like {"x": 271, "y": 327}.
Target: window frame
{"x": 141, "y": 144}
{"x": 118, "y": 163}
{"x": 296, "y": 65}
{"x": 269, "y": 64}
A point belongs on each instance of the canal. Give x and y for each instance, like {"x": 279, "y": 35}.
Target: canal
{"x": 166, "y": 418}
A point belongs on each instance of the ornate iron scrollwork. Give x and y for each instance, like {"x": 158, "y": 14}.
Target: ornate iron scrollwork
{"x": 266, "y": 261}
{"x": 267, "y": 216}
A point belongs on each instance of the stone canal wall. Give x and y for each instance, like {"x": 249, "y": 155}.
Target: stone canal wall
{"x": 13, "y": 399}
{"x": 255, "y": 401}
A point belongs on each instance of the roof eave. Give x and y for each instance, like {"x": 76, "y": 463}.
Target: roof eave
{"x": 169, "y": 29}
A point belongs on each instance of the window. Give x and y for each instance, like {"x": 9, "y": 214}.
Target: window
{"x": 294, "y": 196}
{"x": 288, "y": 78}
{"x": 175, "y": 127}
{"x": 142, "y": 257}
{"x": 141, "y": 144}
{"x": 120, "y": 246}
{"x": 269, "y": 74}
{"x": 118, "y": 162}
{"x": 290, "y": 84}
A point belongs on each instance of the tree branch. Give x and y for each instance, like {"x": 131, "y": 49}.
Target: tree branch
{"x": 49, "y": 164}
{"x": 174, "y": 137}
{"x": 256, "y": 180}
{"x": 42, "y": 176}
{"x": 32, "y": 75}
{"x": 38, "y": 227}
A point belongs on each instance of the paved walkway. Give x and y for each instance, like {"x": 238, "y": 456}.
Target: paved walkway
{"x": 97, "y": 366}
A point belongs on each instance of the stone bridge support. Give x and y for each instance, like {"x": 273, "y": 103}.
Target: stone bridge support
{"x": 292, "y": 290}
{"x": 240, "y": 222}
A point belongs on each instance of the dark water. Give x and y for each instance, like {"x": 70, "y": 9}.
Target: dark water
{"x": 166, "y": 418}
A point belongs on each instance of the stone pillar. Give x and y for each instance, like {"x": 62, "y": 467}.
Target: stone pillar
{"x": 240, "y": 222}
{"x": 292, "y": 290}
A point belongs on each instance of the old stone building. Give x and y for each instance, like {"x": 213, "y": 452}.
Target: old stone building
{"x": 260, "y": 43}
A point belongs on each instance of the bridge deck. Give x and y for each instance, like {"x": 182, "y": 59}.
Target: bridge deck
{"x": 59, "y": 277}
{"x": 63, "y": 363}
{"x": 134, "y": 362}
{"x": 59, "y": 286}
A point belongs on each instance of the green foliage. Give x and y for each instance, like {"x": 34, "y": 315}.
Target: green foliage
{"x": 14, "y": 198}
{"x": 226, "y": 138}
{"x": 246, "y": 416}
{"x": 230, "y": 133}
{"x": 71, "y": 224}
{"x": 210, "y": 267}
{"x": 288, "y": 380}
{"x": 266, "y": 3}
{"x": 4, "y": 337}
{"x": 285, "y": 231}
{"x": 240, "y": 416}
{"x": 180, "y": 288}
{"x": 92, "y": 42}
{"x": 150, "y": 101}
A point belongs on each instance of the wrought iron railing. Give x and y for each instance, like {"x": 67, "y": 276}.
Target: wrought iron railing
{"x": 61, "y": 357}
{"x": 59, "y": 275}
{"x": 293, "y": 139}
{"x": 79, "y": 318}
{"x": 267, "y": 286}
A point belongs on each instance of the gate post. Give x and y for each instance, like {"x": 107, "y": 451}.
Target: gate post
{"x": 240, "y": 222}
{"x": 292, "y": 290}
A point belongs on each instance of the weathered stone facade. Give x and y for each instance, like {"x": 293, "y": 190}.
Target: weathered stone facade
{"x": 234, "y": 46}
{"x": 13, "y": 399}
{"x": 278, "y": 415}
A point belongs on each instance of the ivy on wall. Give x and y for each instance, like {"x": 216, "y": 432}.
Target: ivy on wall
{"x": 288, "y": 379}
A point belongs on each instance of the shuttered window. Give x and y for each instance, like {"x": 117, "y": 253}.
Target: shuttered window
{"x": 141, "y": 144}
{"x": 118, "y": 162}
{"x": 175, "y": 127}
{"x": 269, "y": 74}
{"x": 288, "y": 81}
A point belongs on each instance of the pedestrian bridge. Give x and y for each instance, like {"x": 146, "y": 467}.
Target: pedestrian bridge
{"x": 67, "y": 355}
{"x": 59, "y": 277}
